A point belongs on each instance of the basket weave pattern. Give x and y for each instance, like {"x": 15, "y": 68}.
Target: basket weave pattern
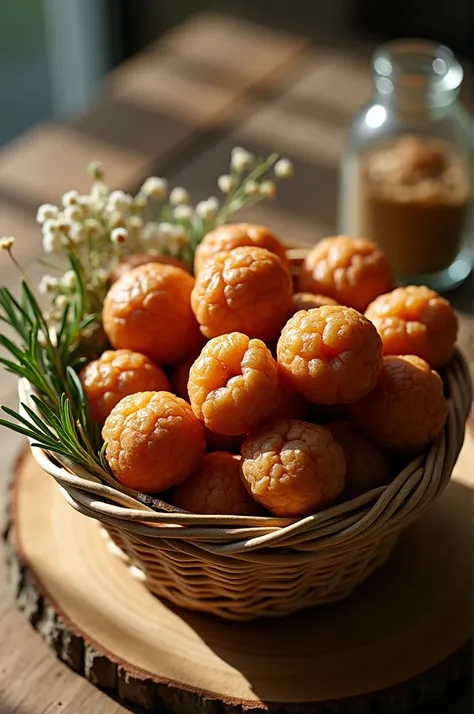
{"x": 245, "y": 567}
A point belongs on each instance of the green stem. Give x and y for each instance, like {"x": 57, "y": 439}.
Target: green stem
{"x": 19, "y": 267}
{"x": 239, "y": 197}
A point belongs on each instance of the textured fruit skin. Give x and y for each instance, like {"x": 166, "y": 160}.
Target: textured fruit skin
{"x": 148, "y": 310}
{"x": 116, "y": 374}
{"x": 415, "y": 320}
{"x": 216, "y": 488}
{"x": 214, "y": 442}
{"x": 352, "y": 271}
{"x": 233, "y": 384}
{"x": 367, "y": 465}
{"x": 331, "y": 355}
{"x": 136, "y": 259}
{"x": 153, "y": 441}
{"x": 236, "y": 235}
{"x": 407, "y": 408}
{"x": 309, "y": 301}
{"x": 245, "y": 290}
{"x": 293, "y": 468}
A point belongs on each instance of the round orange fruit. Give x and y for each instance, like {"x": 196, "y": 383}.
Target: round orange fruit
{"x": 233, "y": 384}
{"x": 136, "y": 259}
{"x": 114, "y": 375}
{"x": 216, "y": 488}
{"x": 407, "y": 408}
{"x": 415, "y": 320}
{"x": 352, "y": 271}
{"x": 148, "y": 310}
{"x": 244, "y": 290}
{"x": 236, "y": 235}
{"x": 214, "y": 442}
{"x": 293, "y": 468}
{"x": 367, "y": 465}
{"x": 309, "y": 301}
{"x": 153, "y": 441}
{"x": 331, "y": 355}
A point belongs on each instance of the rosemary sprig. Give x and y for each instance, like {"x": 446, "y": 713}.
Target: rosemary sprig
{"x": 60, "y": 422}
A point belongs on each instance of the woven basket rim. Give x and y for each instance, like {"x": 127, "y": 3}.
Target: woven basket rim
{"x": 383, "y": 508}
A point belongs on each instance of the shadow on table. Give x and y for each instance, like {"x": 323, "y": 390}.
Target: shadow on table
{"x": 252, "y": 647}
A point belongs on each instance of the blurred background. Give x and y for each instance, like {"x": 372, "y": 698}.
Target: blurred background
{"x": 54, "y": 54}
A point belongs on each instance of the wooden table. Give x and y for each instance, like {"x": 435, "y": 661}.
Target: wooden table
{"x": 177, "y": 110}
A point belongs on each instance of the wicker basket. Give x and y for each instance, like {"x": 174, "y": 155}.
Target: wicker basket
{"x": 245, "y": 567}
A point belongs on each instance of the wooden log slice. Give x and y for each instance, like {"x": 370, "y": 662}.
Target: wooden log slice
{"x": 396, "y": 643}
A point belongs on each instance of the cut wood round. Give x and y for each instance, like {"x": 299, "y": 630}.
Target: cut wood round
{"x": 397, "y": 642}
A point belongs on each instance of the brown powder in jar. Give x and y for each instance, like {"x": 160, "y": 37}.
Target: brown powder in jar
{"x": 412, "y": 201}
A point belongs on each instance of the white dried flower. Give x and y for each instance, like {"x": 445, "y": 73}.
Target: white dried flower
{"x": 226, "y": 183}
{"x": 99, "y": 190}
{"x": 77, "y": 234}
{"x": 177, "y": 241}
{"x": 241, "y": 159}
{"x": 51, "y": 226}
{"x": 46, "y": 212}
{"x": 119, "y": 236}
{"x": 155, "y": 187}
{"x": 86, "y": 201}
{"x": 41, "y": 337}
{"x": 166, "y": 229}
{"x": 267, "y": 189}
{"x": 119, "y": 201}
{"x": 71, "y": 198}
{"x": 179, "y": 233}
{"x": 102, "y": 275}
{"x": 140, "y": 202}
{"x": 74, "y": 213}
{"x": 48, "y": 284}
{"x": 179, "y": 196}
{"x": 208, "y": 209}
{"x": 61, "y": 302}
{"x": 7, "y": 243}
{"x": 183, "y": 213}
{"x": 69, "y": 279}
{"x": 135, "y": 223}
{"x": 251, "y": 188}
{"x": 96, "y": 170}
{"x": 93, "y": 229}
{"x": 151, "y": 232}
{"x": 65, "y": 226}
{"x": 283, "y": 169}
{"x": 115, "y": 220}
{"x": 52, "y": 241}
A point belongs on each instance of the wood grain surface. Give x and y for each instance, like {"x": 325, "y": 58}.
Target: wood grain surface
{"x": 177, "y": 109}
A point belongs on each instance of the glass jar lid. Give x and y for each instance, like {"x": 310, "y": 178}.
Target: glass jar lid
{"x": 417, "y": 69}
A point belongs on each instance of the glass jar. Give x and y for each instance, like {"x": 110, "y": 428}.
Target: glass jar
{"x": 406, "y": 179}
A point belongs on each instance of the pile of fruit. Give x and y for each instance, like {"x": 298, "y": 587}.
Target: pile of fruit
{"x": 245, "y": 391}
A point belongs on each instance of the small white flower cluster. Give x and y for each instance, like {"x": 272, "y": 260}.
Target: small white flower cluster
{"x": 165, "y": 237}
{"x": 155, "y": 188}
{"x": 249, "y": 177}
{"x": 60, "y": 289}
{"x": 103, "y": 227}
{"x": 207, "y": 210}
{"x": 241, "y": 160}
